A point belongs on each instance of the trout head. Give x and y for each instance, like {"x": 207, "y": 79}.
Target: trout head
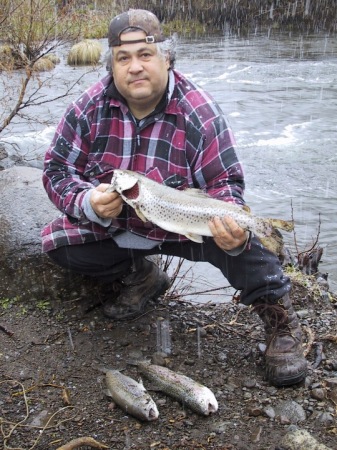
{"x": 126, "y": 184}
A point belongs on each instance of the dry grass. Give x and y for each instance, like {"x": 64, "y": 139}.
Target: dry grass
{"x": 87, "y": 52}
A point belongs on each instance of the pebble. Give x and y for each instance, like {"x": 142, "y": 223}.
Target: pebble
{"x": 301, "y": 440}
{"x": 189, "y": 362}
{"x": 261, "y": 347}
{"x": 221, "y": 357}
{"x": 247, "y": 395}
{"x": 303, "y": 313}
{"x": 135, "y": 354}
{"x": 325, "y": 418}
{"x": 290, "y": 410}
{"x": 331, "y": 382}
{"x": 249, "y": 383}
{"x": 333, "y": 365}
{"x": 269, "y": 412}
{"x": 220, "y": 427}
{"x": 254, "y": 411}
{"x": 318, "y": 394}
{"x": 159, "y": 359}
{"x": 256, "y": 435}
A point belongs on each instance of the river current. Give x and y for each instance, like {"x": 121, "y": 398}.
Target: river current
{"x": 279, "y": 94}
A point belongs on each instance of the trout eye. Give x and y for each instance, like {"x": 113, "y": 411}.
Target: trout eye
{"x": 132, "y": 193}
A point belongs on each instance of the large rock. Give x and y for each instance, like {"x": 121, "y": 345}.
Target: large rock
{"x": 26, "y": 273}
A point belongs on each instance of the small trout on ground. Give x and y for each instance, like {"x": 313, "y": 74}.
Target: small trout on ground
{"x": 188, "y": 212}
{"x": 131, "y": 396}
{"x": 197, "y": 397}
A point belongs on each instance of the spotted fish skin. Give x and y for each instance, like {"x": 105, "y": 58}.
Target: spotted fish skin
{"x": 130, "y": 395}
{"x": 188, "y": 212}
{"x": 190, "y": 393}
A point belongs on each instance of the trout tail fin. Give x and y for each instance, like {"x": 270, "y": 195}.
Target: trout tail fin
{"x": 286, "y": 225}
{"x": 274, "y": 242}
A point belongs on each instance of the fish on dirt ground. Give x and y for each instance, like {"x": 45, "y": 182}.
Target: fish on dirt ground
{"x": 190, "y": 393}
{"x": 188, "y": 212}
{"x": 130, "y": 395}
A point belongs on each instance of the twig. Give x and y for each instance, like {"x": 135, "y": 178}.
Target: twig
{"x": 294, "y": 231}
{"x": 317, "y": 236}
{"x": 6, "y": 331}
{"x": 71, "y": 340}
{"x": 6, "y": 437}
{"x": 47, "y": 425}
{"x": 75, "y": 443}
{"x": 330, "y": 337}
{"x": 14, "y": 426}
{"x": 298, "y": 253}
{"x": 311, "y": 339}
{"x": 319, "y": 355}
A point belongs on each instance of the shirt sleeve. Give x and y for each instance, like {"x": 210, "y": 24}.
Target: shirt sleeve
{"x": 65, "y": 162}
{"x": 90, "y": 213}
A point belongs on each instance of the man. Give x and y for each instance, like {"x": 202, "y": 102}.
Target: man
{"x": 147, "y": 117}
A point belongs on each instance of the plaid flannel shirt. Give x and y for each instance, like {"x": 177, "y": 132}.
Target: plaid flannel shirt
{"x": 185, "y": 143}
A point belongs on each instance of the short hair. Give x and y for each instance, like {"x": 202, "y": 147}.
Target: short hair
{"x": 166, "y": 49}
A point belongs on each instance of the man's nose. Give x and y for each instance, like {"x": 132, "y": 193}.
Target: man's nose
{"x": 135, "y": 65}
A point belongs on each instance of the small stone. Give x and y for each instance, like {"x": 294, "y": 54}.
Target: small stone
{"x": 318, "y": 394}
{"x": 254, "y": 411}
{"x": 221, "y": 357}
{"x": 249, "y": 383}
{"x": 301, "y": 440}
{"x": 159, "y": 359}
{"x": 284, "y": 420}
{"x": 331, "y": 382}
{"x": 290, "y": 410}
{"x": 333, "y": 365}
{"x": 303, "y": 313}
{"x": 269, "y": 412}
{"x": 256, "y": 435}
{"x": 261, "y": 347}
{"x": 325, "y": 418}
{"x": 189, "y": 362}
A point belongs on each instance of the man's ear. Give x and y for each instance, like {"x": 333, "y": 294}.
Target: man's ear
{"x": 168, "y": 64}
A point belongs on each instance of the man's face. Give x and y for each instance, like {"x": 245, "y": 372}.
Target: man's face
{"x": 140, "y": 73}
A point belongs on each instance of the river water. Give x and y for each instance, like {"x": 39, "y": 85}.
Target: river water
{"x": 279, "y": 94}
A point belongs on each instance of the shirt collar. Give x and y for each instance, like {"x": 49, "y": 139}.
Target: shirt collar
{"x": 113, "y": 93}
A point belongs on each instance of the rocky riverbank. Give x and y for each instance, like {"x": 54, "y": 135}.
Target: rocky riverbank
{"x": 52, "y": 390}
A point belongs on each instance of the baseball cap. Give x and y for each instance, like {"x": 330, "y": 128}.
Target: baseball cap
{"x": 135, "y": 18}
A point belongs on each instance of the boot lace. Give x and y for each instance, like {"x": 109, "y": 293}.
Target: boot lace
{"x": 273, "y": 315}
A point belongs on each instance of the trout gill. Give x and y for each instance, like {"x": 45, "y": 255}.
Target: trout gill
{"x": 197, "y": 397}
{"x": 131, "y": 396}
{"x": 188, "y": 212}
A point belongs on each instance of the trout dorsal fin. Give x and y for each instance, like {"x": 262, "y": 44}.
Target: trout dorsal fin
{"x": 193, "y": 192}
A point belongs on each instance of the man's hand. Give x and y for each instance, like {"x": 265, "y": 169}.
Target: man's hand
{"x": 227, "y": 234}
{"x": 106, "y": 204}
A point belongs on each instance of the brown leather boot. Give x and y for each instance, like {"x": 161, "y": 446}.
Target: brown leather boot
{"x": 285, "y": 361}
{"x": 145, "y": 281}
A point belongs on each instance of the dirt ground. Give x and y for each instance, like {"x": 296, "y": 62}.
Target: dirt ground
{"x": 53, "y": 391}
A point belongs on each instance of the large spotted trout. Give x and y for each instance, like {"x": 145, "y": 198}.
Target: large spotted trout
{"x": 130, "y": 395}
{"x": 189, "y": 392}
{"x": 188, "y": 212}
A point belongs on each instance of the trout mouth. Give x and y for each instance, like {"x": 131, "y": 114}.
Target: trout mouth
{"x": 131, "y": 193}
